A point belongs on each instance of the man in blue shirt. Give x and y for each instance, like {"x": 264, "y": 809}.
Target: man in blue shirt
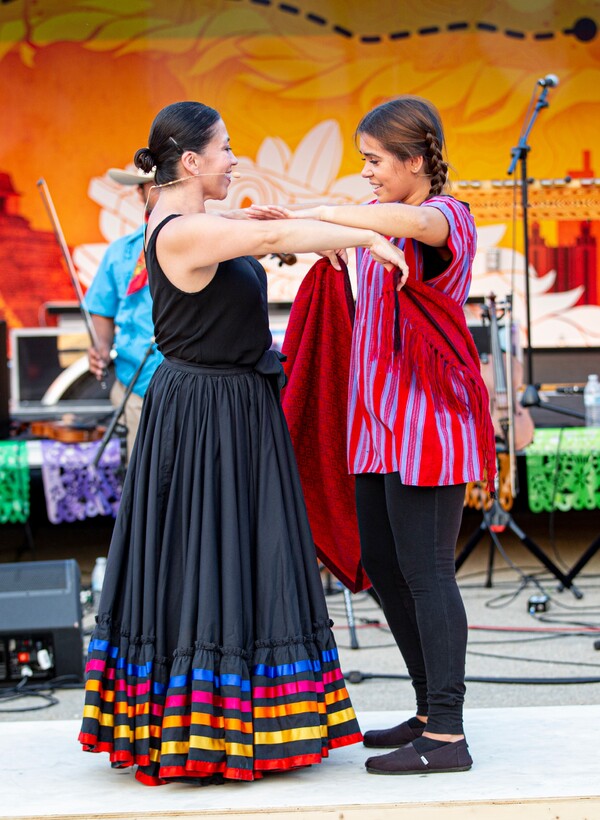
{"x": 121, "y": 309}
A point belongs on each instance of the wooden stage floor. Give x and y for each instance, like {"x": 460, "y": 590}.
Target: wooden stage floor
{"x": 530, "y": 763}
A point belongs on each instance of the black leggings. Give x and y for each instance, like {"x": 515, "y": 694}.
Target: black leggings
{"x": 408, "y": 541}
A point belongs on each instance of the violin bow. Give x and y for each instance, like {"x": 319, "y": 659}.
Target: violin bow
{"x": 60, "y": 238}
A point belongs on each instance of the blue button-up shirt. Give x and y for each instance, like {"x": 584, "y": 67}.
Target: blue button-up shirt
{"x": 132, "y": 313}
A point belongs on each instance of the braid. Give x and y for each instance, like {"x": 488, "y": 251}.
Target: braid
{"x": 438, "y": 168}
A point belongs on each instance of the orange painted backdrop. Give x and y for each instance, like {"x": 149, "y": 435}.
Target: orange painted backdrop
{"x": 80, "y": 83}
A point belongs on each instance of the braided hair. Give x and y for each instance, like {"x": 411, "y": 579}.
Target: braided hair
{"x": 410, "y": 126}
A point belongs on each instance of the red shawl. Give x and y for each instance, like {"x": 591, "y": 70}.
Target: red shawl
{"x": 317, "y": 345}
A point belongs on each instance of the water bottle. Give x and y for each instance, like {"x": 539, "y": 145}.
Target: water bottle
{"x": 97, "y": 581}
{"x": 591, "y": 401}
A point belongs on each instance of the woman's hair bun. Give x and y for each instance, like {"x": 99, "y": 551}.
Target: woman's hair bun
{"x": 143, "y": 159}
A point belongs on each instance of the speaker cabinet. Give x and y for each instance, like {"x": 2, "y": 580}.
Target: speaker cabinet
{"x": 41, "y": 633}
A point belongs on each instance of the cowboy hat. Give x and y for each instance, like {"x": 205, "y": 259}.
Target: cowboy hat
{"x": 130, "y": 176}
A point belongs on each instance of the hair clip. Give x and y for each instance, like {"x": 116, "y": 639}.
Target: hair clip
{"x": 176, "y": 144}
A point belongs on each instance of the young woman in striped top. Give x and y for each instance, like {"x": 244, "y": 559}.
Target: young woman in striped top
{"x": 418, "y": 420}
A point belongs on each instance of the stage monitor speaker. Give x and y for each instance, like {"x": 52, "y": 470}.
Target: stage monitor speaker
{"x": 41, "y": 632}
{"x": 4, "y": 405}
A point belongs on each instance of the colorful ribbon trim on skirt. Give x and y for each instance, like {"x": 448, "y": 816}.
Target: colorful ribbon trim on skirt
{"x": 215, "y": 711}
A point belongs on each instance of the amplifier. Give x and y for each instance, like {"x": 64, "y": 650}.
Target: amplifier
{"x": 41, "y": 633}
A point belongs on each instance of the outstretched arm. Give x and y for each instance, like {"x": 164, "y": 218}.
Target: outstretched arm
{"x": 426, "y": 224}
{"x": 191, "y": 246}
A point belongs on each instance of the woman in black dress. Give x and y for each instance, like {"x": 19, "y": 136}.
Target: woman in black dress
{"x": 213, "y": 654}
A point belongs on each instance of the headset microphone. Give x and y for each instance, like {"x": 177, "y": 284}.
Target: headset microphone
{"x": 233, "y": 174}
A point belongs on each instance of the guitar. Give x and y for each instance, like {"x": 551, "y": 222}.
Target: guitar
{"x": 514, "y": 428}
{"x": 512, "y": 422}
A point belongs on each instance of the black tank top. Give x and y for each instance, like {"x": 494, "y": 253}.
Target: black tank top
{"x": 225, "y": 323}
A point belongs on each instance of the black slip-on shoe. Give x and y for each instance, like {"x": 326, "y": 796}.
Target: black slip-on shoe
{"x": 451, "y": 757}
{"x": 392, "y": 738}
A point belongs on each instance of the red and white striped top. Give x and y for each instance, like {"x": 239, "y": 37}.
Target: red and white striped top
{"x": 393, "y": 426}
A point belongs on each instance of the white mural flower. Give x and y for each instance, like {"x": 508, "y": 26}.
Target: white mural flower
{"x": 307, "y": 175}
{"x": 121, "y": 212}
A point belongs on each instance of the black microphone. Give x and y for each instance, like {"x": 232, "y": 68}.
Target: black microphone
{"x": 549, "y": 81}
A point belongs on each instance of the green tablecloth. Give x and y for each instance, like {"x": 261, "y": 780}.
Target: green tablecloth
{"x": 563, "y": 469}
{"x": 14, "y": 482}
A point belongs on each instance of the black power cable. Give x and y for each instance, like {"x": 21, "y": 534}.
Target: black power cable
{"x": 43, "y": 690}
{"x": 355, "y": 676}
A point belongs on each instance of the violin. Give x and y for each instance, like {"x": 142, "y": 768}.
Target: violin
{"x": 66, "y": 431}
{"x": 513, "y": 424}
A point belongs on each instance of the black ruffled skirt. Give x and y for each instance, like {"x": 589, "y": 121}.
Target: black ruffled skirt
{"x": 213, "y": 652}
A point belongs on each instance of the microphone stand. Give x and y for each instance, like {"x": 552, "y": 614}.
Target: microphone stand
{"x": 531, "y": 396}
{"x": 119, "y": 410}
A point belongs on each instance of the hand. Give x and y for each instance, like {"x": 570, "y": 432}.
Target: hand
{"x": 98, "y": 363}
{"x": 390, "y": 257}
{"x": 280, "y": 212}
{"x": 335, "y": 256}
{"x": 233, "y": 213}
{"x": 268, "y": 212}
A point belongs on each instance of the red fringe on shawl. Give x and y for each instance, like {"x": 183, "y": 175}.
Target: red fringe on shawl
{"x": 317, "y": 345}
{"x": 425, "y": 334}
